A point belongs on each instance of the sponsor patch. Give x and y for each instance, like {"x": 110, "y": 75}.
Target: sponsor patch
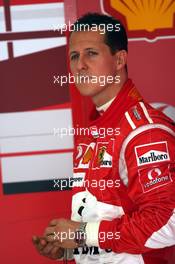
{"x": 155, "y": 177}
{"x": 103, "y": 157}
{"x": 78, "y": 179}
{"x": 152, "y": 153}
{"x": 136, "y": 113}
{"x": 83, "y": 155}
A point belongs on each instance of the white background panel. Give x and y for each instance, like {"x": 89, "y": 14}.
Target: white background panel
{"x": 24, "y": 47}
{"x": 37, "y": 17}
{"x": 3, "y": 50}
{"x": 2, "y": 21}
{"x": 36, "y": 143}
{"x": 34, "y": 122}
{"x": 37, "y": 167}
{"x": 34, "y": 131}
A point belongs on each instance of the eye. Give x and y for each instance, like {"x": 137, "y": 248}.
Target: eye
{"x": 92, "y": 53}
{"x": 74, "y": 57}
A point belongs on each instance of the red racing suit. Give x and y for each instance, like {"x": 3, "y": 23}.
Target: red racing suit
{"x": 124, "y": 182}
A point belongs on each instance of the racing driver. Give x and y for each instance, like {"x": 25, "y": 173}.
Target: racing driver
{"x": 123, "y": 204}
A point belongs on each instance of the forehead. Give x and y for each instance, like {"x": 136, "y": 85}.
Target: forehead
{"x": 84, "y": 39}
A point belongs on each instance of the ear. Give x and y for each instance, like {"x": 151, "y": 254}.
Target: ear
{"x": 121, "y": 59}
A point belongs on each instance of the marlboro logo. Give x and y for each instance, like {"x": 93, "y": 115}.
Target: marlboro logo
{"x": 152, "y": 153}
{"x": 152, "y": 157}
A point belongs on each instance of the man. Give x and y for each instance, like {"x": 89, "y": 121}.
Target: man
{"x": 131, "y": 217}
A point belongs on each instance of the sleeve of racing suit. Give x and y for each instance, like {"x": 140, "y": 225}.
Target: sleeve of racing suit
{"x": 149, "y": 174}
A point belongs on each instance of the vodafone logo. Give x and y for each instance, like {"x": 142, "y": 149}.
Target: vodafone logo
{"x": 153, "y": 173}
{"x": 152, "y": 153}
{"x": 155, "y": 177}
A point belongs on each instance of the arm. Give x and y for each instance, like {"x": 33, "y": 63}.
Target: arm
{"x": 151, "y": 187}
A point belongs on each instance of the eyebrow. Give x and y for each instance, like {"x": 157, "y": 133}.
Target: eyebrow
{"x": 75, "y": 52}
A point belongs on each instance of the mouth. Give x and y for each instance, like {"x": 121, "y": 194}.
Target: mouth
{"x": 83, "y": 78}
{"x": 83, "y": 75}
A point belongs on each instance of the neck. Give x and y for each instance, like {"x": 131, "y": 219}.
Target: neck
{"x": 110, "y": 92}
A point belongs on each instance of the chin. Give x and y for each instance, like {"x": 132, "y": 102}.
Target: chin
{"x": 89, "y": 90}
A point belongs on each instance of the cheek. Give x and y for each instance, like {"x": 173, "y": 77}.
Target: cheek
{"x": 72, "y": 67}
{"x": 106, "y": 68}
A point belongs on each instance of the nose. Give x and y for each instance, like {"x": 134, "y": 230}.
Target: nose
{"x": 81, "y": 64}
